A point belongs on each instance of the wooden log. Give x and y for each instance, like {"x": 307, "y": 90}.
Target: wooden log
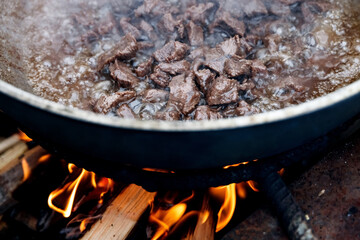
{"x": 10, "y": 157}
{"x": 122, "y": 215}
{"x": 205, "y": 227}
{"x": 12, "y": 173}
{"x": 9, "y": 142}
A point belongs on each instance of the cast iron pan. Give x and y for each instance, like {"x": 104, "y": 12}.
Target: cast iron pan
{"x": 165, "y": 145}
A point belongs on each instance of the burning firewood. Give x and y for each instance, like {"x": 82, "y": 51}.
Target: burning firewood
{"x": 205, "y": 227}
{"x": 122, "y": 215}
{"x": 15, "y": 167}
{"x": 9, "y": 142}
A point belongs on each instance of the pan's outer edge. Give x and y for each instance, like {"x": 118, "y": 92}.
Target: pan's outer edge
{"x": 222, "y": 124}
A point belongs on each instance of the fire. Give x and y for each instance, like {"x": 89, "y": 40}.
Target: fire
{"x": 253, "y": 185}
{"x": 67, "y": 194}
{"x": 167, "y": 218}
{"x": 26, "y": 169}
{"x": 227, "y": 195}
{"x": 24, "y": 137}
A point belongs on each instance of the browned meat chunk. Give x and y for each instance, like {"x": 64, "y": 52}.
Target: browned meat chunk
{"x": 183, "y": 93}
{"x": 172, "y": 51}
{"x": 124, "y": 50}
{"x": 206, "y": 113}
{"x": 155, "y": 96}
{"x": 236, "y": 67}
{"x": 258, "y": 67}
{"x": 124, "y": 111}
{"x": 160, "y": 78}
{"x": 123, "y": 75}
{"x": 106, "y": 103}
{"x": 148, "y": 29}
{"x": 240, "y": 109}
{"x": 252, "y": 8}
{"x": 216, "y": 57}
{"x": 128, "y": 28}
{"x": 204, "y": 78}
{"x": 199, "y": 13}
{"x": 195, "y": 34}
{"x": 168, "y": 23}
{"x": 170, "y": 114}
{"x": 225, "y": 19}
{"x": 223, "y": 91}
{"x": 144, "y": 68}
{"x": 175, "y": 67}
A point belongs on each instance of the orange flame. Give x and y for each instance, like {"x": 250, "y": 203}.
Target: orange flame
{"x": 44, "y": 158}
{"x": 227, "y": 195}
{"x": 167, "y": 218}
{"x": 253, "y": 185}
{"x": 69, "y": 187}
{"x": 281, "y": 172}
{"x": 24, "y": 137}
{"x": 241, "y": 190}
{"x": 26, "y": 169}
{"x": 69, "y": 191}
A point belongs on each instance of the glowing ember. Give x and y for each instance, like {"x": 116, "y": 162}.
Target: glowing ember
{"x": 24, "y": 137}
{"x": 68, "y": 192}
{"x": 227, "y": 195}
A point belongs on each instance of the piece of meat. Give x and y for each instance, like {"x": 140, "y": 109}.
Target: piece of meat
{"x": 204, "y": 78}
{"x": 195, "y": 34}
{"x": 106, "y": 103}
{"x": 148, "y": 29}
{"x": 160, "y": 78}
{"x": 225, "y": 20}
{"x": 252, "y": 8}
{"x": 175, "y": 67}
{"x": 258, "y": 67}
{"x": 215, "y": 59}
{"x": 124, "y": 111}
{"x": 199, "y": 12}
{"x": 124, "y": 50}
{"x": 223, "y": 91}
{"x": 183, "y": 93}
{"x": 198, "y": 52}
{"x": 168, "y": 23}
{"x": 123, "y": 75}
{"x": 169, "y": 114}
{"x": 206, "y": 113}
{"x": 128, "y": 28}
{"x": 240, "y": 109}
{"x": 155, "y": 96}
{"x": 147, "y": 7}
{"x": 236, "y": 67}
{"x": 172, "y": 51}
{"x": 145, "y": 45}
{"x": 144, "y": 68}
